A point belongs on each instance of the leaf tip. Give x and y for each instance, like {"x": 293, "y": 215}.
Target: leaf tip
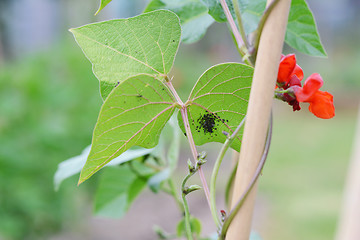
{"x": 80, "y": 181}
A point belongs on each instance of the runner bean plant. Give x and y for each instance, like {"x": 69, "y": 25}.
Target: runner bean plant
{"x": 132, "y": 59}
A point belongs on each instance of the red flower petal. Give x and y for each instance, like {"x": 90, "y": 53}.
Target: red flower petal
{"x": 286, "y": 67}
{"x": 311, "y": 86}
{"x": 294, "y": 81}
{"x": 322, "y": 105}
{"x": 298, "y": 72}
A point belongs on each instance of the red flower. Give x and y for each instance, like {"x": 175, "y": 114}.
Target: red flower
{"x": 289, "y": 74}
{"x": 287, "y": 70}
{"x": 289, "y": 89}
{"x": 321, "y": 103}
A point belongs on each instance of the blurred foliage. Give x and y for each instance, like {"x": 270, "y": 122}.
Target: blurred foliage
{"x": 49, "y": 104}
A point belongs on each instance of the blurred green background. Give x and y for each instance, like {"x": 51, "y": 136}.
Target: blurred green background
{"x": 49, "y": 101}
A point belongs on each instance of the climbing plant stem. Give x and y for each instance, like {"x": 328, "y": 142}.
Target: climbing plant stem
{"x": 238, "y": 205}
{"x": 215, "y": 172}
{"x": 261, "y": 26}
{"x": 240, "y": 23}
{"x": 233, "y": 27}
{"x": 186, "y": 207}
{"x": 258, "y": 113}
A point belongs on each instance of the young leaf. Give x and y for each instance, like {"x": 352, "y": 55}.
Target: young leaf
{"x": 134, "y": 114}
{"x": 118, "y": 188}
{"x": 103, "y": 3}
{"x": 119, "y": 49}
{"x": 218, "y": 103}
{"x": 192, "y": 13}
{"x": 301, "y": 32}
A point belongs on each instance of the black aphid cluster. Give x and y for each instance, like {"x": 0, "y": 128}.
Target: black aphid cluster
{"x": 209, "y": 122}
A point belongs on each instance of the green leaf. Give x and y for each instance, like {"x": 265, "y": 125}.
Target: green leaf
{"x": 195, "y": 226}
{"x": 192, "y": 13}
{"x": 134, "y": 114}
{"x": 119, "y": 49}
{"x": 218, "y": 103}
{"x": 301, "y": 31}
{"x": 74, "y": 165}
{"x": 118, "y": 188}
{"x": 103, "y": 3}
{"x": 251, "y": 12}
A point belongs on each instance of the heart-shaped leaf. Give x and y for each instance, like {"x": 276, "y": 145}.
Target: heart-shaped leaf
{"x": 119, "y": 49}
{"x": 134, "y": 114}
{"x": 218, "y": 103}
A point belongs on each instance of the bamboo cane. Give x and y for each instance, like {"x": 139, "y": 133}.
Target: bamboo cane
{"x": 349, "y": 223}
{"x": 258, "y": 114}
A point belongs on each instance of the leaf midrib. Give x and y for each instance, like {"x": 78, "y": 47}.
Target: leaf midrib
{"x": 82, "y": 179}
{"x": 115, "y": 50}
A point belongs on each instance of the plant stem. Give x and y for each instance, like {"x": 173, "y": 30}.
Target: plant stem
{"x": 194, "y": 152}
{"x": 229, "y": 185}
{"x": 173, "y": 91}
{"x": 238, "y": 205}
{"x": 235, "y": 31}
{"x": 215, "y": 172}
{"x": 261, "y": 27}
{"x": 186, "y": 207}
{"x": 239, "y": 21}
{"x": 174, "y": 193}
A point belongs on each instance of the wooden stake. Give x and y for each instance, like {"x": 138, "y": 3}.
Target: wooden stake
{"x": 258, "y": 114}
{"x": 349, "y": 223}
